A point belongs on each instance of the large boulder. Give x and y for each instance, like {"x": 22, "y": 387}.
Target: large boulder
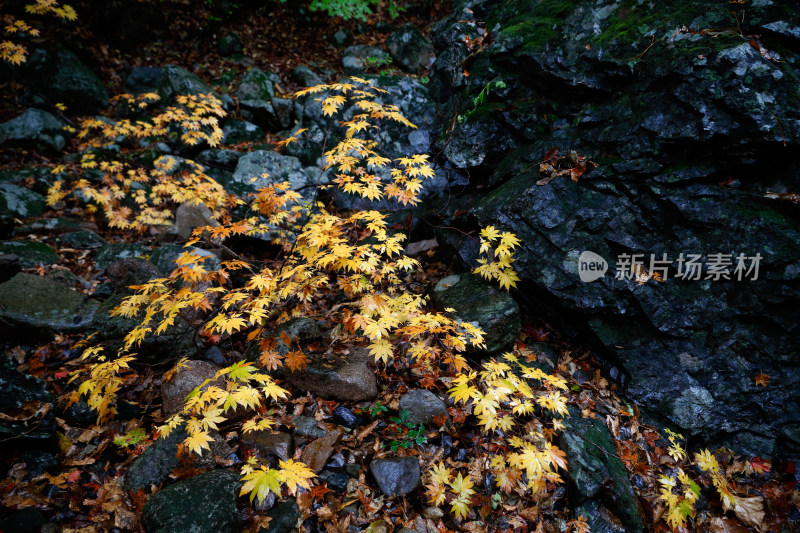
{"x": 410, "y": 49}
{"x": 681, "y": 132}
{"x": 598, "y": 481}
{"x": 359, "y": 57}
{"x": 19, "y": 202}
{"x": 483, "y": 304}
{"x": 41, "y": 306}
{"x": 205, "y": 503}
{"x": 30, "y": 253}
{"x": 175, "y": 81}
{"x": 255, "y": 93}
{"x": 251, "y": 169}
{"x": 61, "y": 77}
{"x": 143, "y": 80}
{"x": 34, "y": 129}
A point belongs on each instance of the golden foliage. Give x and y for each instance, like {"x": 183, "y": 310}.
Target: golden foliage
{"x": 354, "y": 256}
{"x": 15, "y": 53}
{"x": 119, "y": 189}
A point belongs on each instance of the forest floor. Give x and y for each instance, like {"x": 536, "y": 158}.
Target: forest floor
{"x": 81, "y": 492}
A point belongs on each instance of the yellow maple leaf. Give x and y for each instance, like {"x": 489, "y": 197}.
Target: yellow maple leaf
{"x": 197, "y": 442}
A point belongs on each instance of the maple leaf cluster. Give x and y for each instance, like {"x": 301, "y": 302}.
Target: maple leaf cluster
{"x": 355, "y": 254}
{"x": 497, "y": 265}
{"x": 15, "y": 53}
{"x": 135, "y": 197}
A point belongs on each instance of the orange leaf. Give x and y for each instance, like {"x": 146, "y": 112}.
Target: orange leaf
{"x": 762, "y": 379}
{"x": 296, "y": 360}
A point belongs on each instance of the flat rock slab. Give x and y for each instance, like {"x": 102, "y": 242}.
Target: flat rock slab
{"x": 480, "y": 302}
{"x": 42, "y": 306}
{"x": 349, "y": 379}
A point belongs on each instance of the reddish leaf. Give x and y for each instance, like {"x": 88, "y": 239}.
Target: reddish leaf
{"x": 551, "y": 154}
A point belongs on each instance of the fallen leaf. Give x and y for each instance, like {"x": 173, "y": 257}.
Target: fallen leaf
{"x": 762, "y": 379}
{"x": 750, "y": 511}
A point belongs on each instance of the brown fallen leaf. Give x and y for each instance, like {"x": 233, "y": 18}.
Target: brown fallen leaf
{"x": 750, "y": 511}
{"x": 719, "y": 524}
{"x": 316, "y": 454}
{"x": 530, "y": 514}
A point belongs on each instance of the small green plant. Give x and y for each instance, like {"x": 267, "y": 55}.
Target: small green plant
{"x": 481, "y": 98}
{"x": 377, "y": 409}
{"x": 352, "y": 9}
{"x": 131, "y": 438}
{"x": 375, "y": 62}
{"x": 410, "y": 435}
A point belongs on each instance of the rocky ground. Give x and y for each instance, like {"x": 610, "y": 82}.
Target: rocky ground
{"x": 676, "y": 147}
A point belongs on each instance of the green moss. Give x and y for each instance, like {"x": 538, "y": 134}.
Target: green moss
{"x": 540, "y": 25}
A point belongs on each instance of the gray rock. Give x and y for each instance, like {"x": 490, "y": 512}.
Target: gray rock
{"x": 174, "y": 391}
{"x": 179, "y": 338}
{"x": 125, "y": 272}
{"x": 164, "y": 257}
{"x": 143, "y": 80}
{"x": 422, "y": 406}
{"x": 9, "y": 266}
{"x": 55, "y": 226}
{"x": 205, "y": 503}
{"x": 410, "y": 49}
{"x": 309, "y": 145}
{"x": 35, "y": 129}
{"x": 225, "y": 159}
{"x": 307, "y": 427}
{"x": 111, "y": 253}
{"x": 177, "y": 81}
{"x": 19, "y": 202}
{"x": 255, "y": 93}
{"x": 29, "y": 253}
{"x": 230, "y": 44}
{"x": 155, "y": 464}
{"x": 284, "y": 112}
{"x": 279, "y": 168}
{"x": 306, "y": 77}
{"x": 268, "y": 444}
{"x": 358, "y": 57}
{"x": 348, "y": 379}
{"x": 595, "y": 469}
{"x": 81, "y": 240}
{"x": 236, "y": 131}
{"x": 341, "y": 38}
{"x": 59, "y": 75}
{"x": 41, "y": 307}
{"x": 302, "y": 331}
{"x": 284, "y": 517}
{"x": 215, "y": 355}
{"x": 486, "y": 305}
{"x": 189, "y": 216}
{"x": 396, "y": 476}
